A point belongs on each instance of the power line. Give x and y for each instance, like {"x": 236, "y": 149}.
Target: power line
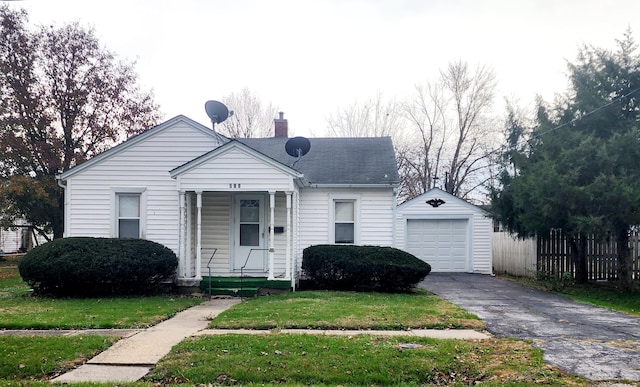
{"x": 540, "y": 134}
{"x": 586, "y": 114}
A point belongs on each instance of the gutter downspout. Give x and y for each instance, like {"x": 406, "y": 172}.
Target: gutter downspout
{"x": 394, "y": 217}
{"x": 65, "y": 213}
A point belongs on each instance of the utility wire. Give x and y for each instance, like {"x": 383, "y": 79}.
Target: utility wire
{"x": 585, "y": 115}
{"x": 540, "y": 134}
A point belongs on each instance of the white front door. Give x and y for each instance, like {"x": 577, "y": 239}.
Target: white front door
{"x": 249, "y": 242}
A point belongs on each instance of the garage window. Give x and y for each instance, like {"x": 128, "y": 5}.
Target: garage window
{"x": 344, "y": 224}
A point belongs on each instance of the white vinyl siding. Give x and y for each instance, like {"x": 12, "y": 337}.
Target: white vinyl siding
{"x": 375, "y": 216}
{"x": 235, "y": 170}
{"x": 146, "y": 164}
{"x": 215, "y": 232}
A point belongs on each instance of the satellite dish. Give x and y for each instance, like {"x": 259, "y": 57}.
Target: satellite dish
{"x": 217, "y": 111}
{"x": 297, "y": 146}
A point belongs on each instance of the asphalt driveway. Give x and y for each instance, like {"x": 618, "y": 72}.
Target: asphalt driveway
{"x": 587, "y": 341}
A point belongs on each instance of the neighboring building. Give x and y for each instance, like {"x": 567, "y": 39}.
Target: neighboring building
{"x": 20, "y": 238}
{"x": 228, "y": 207}
{"x": 447, "y": 232}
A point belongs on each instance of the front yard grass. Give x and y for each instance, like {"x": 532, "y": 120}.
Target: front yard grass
{"x": 605, "y": 296}
{"x": 360, "y": 360}
{"x": 29, "y": 358}
{"x": 91, "y": 313}
{"x": 278, "y": 358}
{"x": 347, "y": 310}
{"x": 20, "y": 310}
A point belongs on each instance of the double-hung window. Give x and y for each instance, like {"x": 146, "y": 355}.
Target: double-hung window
{"x": 128, "y": 212}
{"x": 128, "y": 217}
{"x": 344, "y": 221}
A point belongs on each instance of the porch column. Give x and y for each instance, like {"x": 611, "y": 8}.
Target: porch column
{"x": 295, "y": 238}
{"x": 288, "y": 234}
{"x": 182, "y": 246}
{"x": 272, "y": 206}
{"x": 188, "y": 258}
{"x": 199, "y": 235}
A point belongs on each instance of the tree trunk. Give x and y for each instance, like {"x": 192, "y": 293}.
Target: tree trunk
{"x": 579, "y": 255}
{"x": 625, "y": 261}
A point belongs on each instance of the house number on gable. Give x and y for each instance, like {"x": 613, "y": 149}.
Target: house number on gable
{"x": 234, "y": 185}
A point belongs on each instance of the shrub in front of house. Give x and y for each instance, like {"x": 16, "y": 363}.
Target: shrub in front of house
{"x": 369, "y": 268}
{"x": 98, "y": 266}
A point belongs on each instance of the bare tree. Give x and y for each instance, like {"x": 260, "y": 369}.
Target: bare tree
{"x": 376, "y": 117}
{"x": 452, "y": 134}
{"x": 419, "y": 158}
{"x": 251, "y": 118}
{"x": 442, "y": 132}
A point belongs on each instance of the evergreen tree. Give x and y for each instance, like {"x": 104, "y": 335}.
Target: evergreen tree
{"x": 579, "y": 171}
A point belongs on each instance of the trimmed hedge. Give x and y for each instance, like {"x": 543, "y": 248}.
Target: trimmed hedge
{"x": 98, "y": 266}
{"x": 370, "y": 268}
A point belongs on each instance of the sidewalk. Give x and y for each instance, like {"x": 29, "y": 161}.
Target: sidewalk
{"x": 131, "y": 358}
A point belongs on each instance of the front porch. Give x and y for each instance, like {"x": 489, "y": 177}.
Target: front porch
{"x": 238, "y": 235}
{"x": 238, "y": 216}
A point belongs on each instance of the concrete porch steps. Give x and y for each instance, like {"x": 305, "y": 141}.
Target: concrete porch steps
{"x": 242, "y": 287}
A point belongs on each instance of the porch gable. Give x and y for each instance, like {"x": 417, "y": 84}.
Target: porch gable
{"x": 235, "y": 167}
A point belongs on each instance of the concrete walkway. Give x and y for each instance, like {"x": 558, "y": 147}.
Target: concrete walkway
{"x": 460, "y": 334}
{"x": 131, "y": 358}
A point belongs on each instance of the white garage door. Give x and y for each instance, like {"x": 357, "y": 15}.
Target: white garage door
{"x": 442, "y": 243}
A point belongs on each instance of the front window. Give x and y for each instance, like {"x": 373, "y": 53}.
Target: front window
{"x": 344, "y": 222}
{"x": 128, "y": 215}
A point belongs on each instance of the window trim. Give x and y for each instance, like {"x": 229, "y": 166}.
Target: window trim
{"x": 115, "y": 193}
{"x": 355, "y": 199}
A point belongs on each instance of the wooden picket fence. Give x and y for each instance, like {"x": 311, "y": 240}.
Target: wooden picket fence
{"x": 551, "y": 257}
{"x": 554, "y": 257}
{"x": 513, "y": 256}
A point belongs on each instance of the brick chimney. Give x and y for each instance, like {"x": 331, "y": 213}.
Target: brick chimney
{"x": 281, "y": 126}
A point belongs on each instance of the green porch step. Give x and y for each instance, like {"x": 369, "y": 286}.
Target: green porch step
{"x": 241, "y": 287}
{"x": 233, "y": 292}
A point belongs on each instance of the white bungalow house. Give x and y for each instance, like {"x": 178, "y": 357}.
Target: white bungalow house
{"x": 234, "y": 207}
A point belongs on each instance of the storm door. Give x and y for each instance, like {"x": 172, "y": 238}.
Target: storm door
{"x": 249, "y": 241}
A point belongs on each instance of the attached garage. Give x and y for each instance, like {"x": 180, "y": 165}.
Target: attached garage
{"x": 449, "y": 233}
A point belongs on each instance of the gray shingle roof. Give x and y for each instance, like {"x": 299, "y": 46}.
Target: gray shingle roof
{"x": 367, "y": 160}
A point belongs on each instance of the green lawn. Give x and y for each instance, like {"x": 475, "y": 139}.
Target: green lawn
{"x": 606, "y": 297}
{"x": 91, "y": 313}
{"x": 278, "y": 358}
{"x": 347, "y": 310}
{"x": 20, "y": 310}
{"x": 355, "y": 361}
{"x": 24, "y": 358}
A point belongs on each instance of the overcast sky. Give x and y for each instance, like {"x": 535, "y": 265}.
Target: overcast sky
{"x": 311, "y": 57}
